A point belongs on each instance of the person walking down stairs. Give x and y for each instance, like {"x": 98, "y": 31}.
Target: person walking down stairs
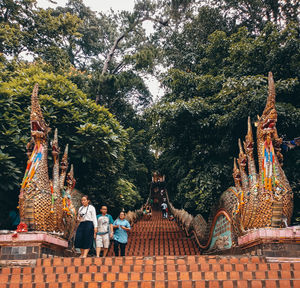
{"x": 164, "y": 207}
{"x": 87, "y": 228}
{"x": 122, "y": 226}
{"x": 105, "y": 231}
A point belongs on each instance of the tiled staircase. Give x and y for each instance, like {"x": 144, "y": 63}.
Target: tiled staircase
{"x": 156, "y": 271}
{"x": 158, "y": 236}
{"x": 159, "y": 255}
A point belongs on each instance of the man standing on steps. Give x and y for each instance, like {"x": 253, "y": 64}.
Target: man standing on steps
{"x": 164, "y": 207}
{"x": 105, "y": 231}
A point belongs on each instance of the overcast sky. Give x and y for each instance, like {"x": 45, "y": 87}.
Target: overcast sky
{"x": 104, "y": 6}
{"x": 97, "y": 5}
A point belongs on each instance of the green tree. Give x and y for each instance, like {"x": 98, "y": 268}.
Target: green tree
{"x": 204, "y": 111}
{"x": 97, "y": 141}
{"x": 199, "y": 136}
{"x": 254, "y": 14}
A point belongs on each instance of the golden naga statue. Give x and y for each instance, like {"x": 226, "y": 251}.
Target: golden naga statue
{"x": 42, "y": 205}
{"x": 264, "y": 198}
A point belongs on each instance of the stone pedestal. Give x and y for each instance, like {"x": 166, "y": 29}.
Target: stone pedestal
{"x": 271, "y": 242}
{"x": 30, "y": 245}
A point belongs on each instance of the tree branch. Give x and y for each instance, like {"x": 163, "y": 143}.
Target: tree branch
{"x": 111, "y": 52}
{"x": 117, "y": 68}
{"x": 119, "y": 39}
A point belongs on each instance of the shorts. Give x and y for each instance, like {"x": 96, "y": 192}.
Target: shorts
{"x": 102, "y": 241}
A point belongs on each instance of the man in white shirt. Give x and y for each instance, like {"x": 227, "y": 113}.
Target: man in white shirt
{"x": 164, "y": 207}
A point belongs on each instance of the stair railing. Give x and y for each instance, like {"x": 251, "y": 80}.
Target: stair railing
{"x": 183, "y": 218}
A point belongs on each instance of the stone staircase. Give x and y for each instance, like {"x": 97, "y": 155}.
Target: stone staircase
{"x": 160, "y": 255}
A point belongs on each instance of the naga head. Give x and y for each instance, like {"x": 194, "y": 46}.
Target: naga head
{"x": 70, "y": 179}
{"x": 39, "y": 128}
{"x": 54, "y": 145}
{"x": 266, "y": 125}
{"x": 242, "y": 160}
{"x": 236, "y": 172}
{"x": 249, "y": 143}
{"x": 64, "y": 161}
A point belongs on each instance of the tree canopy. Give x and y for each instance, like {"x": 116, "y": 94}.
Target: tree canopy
{"x": 210, "y": 91}
{"x": 212, "y": 60}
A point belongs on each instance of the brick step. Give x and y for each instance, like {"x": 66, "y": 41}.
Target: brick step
{"x": 158, "y": 240}
{"x": 179, "y": 241}
{"x": 165, "y": 249}
{"x": 163, "y": 227}
{"x": 139, "y": 260}
{"x": 157, "y": 253}
{"x": 282, "y": 259}
{"x": 295, "y": 283}
{"x": 154, "y": 236}
{"x": 172, "y": 251}
{"x": 260, "y": 270}
{"x": 145, "y": 276}
{"x": 157, "y": 233}
{"x": 151, "y": 244}
{"x": 148, "y": 232}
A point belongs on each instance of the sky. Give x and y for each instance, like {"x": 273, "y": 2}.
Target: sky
{"x": 104, "y": 6}
{"x": 97, "y": 5}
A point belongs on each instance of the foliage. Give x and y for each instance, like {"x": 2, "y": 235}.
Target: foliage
{"x": 97, "y": 141}
{"x": 91, "y": 68}
{"x": 254, "y": 14}
{"x": 210, "y": 91}
{"x": 197, "y": 126}
{"x": 139, "y": 160}
{"x": 240, "y": 53}
{"x": 127, "y": 196}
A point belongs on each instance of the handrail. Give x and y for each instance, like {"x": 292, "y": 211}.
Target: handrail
{"x": 181, "y": 223}
{"x": 220, "y": 212}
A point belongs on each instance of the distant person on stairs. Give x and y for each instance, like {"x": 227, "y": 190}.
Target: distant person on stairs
{"x": 121, "y": 226}
{"x": 147, "y": 212}
{"x": 87, "y": 228}
{"x": 105, "y": 231}
{"x": 164, "y": 207}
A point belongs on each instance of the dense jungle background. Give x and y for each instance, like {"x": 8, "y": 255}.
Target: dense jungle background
{"x": 212, "y": 59}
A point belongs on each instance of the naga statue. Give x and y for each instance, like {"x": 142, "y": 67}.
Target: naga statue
{"x": 265, "y": 197}
{"x": 41, "y": 203}
{"x": 259, "y": 199}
